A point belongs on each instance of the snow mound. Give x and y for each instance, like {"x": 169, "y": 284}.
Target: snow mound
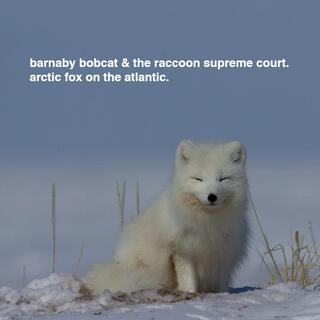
{"x": 61, "y": 293}
{"x": 56, "y": 293}
{"x": 57, "y": 297}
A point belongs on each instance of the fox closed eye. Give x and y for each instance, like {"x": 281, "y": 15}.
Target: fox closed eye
{"x": 196, "y": 178}
{"x": 224, "y": 178}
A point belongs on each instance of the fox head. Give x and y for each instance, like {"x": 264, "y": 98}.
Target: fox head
{"x": 211, "y": 176}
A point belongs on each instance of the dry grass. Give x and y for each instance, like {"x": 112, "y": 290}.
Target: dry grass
{"x": 138, "y": 197}
{"x": 53, "y": 225}
{"x": 298, "y": 262}
{"x": 121, "y": 200}
{"x": 77, "y": 272}
{"x": 24, "y": 277}
{"x": 121, "y": 196}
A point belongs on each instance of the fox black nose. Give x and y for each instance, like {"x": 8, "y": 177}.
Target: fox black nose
{"x": 212, "y": 198}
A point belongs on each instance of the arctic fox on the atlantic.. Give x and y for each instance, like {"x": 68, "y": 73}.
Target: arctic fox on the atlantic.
{"x": 193, "y": 236}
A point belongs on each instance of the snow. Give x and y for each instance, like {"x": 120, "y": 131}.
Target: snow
{"x": 57, "y": 297}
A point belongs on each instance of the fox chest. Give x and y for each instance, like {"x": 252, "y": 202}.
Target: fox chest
{"x": 203, "y": 244}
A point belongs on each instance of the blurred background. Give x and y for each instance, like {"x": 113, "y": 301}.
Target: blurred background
{"x": 86, "y": 137}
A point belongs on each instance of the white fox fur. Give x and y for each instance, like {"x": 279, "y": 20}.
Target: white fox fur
{"x": 184, "y": 241}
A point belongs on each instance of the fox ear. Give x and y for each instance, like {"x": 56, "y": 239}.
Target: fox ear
{"x": 237, "y": 152}
{"x": 184, "y": 150}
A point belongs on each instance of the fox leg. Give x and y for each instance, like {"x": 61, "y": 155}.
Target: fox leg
{"x": 185, "y": 273}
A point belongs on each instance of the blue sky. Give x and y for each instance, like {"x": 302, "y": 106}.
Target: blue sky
{"x": 85, "y": 137}
{"x": 263, "y": 108}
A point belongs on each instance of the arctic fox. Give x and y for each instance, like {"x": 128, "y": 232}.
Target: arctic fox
{"x": 193, "y": 236}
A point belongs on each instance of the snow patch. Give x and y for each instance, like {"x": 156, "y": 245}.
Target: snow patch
{"x": 57, "y": 297}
